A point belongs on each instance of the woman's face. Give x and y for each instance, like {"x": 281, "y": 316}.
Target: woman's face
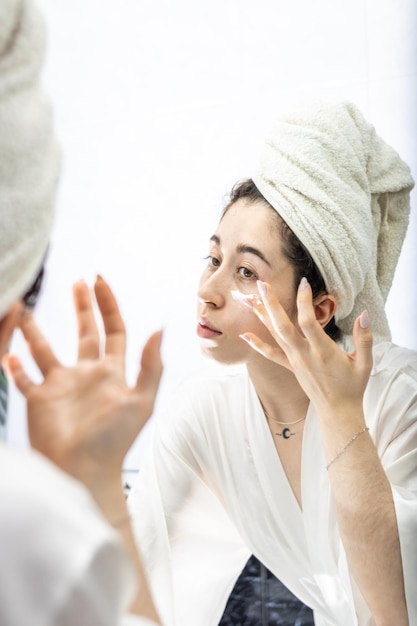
{"x": 245, "y": 247}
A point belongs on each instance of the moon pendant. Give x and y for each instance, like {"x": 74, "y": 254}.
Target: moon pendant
{"x": 285, "y": 433}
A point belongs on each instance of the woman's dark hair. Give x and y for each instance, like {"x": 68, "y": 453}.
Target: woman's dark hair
{"x": 292, "y": 248}
{"x": 31, "y": 296}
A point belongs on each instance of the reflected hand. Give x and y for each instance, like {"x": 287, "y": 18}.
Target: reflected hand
{"x": 328, "y": 375}
{"x": 85, "y": 417}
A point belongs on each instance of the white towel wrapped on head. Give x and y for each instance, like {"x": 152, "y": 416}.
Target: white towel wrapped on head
{"x": 29, "y": 155}
{"x": 346, "y": 195}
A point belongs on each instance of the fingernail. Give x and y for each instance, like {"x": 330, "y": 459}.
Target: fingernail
{"x": 364, "y": 320}
{"x": 245, "y": 339}
{"x": 303, "y": 283}
{"x": 261, "y": 287}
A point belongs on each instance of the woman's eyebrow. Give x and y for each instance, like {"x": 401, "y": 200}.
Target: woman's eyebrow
{"x": 243, "y": 248}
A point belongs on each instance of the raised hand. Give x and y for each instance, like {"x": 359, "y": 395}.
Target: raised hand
{"x": 327, "y": 374}
{"x": 85, "y": 417}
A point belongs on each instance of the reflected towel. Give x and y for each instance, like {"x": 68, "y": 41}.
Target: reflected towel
{"x": 346, "y": 194}
{"x": 29, "y": 156}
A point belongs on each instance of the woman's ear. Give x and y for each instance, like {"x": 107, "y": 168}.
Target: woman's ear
{"x": 8, "y": 325}
{"x": 324, "y": 308}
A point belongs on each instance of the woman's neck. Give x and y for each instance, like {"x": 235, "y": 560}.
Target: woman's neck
{"x": 279, "y": 392}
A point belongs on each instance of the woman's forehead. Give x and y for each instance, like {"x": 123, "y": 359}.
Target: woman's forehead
{"x": 252, "y": 219}
{"x": 251, "y": 226}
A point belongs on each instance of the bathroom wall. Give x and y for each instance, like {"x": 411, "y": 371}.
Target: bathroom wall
{"x": 160, "y": 107}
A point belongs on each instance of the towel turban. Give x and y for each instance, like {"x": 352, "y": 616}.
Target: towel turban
{"x": 29, "y": 155}
{"x": 345, "y": 193}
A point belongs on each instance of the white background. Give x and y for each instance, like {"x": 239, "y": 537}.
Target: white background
{"x": 160, "y": 107}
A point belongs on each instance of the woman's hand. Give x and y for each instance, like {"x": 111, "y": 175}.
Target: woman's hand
{"x": 328, "y": 375}
{"x": 85, "y": 417}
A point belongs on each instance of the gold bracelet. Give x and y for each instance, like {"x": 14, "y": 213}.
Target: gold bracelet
{"x": 351, "y": 440}
{"x": 121, "y": 522}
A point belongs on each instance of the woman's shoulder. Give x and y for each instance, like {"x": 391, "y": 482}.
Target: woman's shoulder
{"x": 392, "y": 387}
{"x": 392, "y": 359}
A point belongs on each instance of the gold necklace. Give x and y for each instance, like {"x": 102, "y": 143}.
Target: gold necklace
{"x": 285, "y": 423}
{"x": 286, "y": 432}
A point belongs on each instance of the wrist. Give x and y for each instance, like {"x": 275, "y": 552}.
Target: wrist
{"x": 343, "y": 418}
{"x": 349, "y": 442}
{"x": 108, "y": 493}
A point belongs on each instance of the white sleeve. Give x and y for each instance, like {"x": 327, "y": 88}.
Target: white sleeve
{"x": 96, "y": 590}
{"x": 395, "y": 400}
{"x": 61, "y": 563}
{"x": 181, "y": 527}
{"x": 402, "y": 474}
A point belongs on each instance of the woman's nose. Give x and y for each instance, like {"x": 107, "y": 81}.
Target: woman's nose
{"x": 212, "y": 290}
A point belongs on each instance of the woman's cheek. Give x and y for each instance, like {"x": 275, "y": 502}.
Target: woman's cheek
{"x": 248, "y": 322}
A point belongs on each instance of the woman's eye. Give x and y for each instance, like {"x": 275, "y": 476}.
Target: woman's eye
{"x": 246, "y": 272}
{"x": 212, "y": 261}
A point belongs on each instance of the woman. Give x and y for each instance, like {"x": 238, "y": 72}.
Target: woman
{"x": 306, "y": 457}
{"x": 67, "y": 550}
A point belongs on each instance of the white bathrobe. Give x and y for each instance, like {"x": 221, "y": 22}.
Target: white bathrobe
{"x": 61, "y": 564}
{"x": 212, "y": 491}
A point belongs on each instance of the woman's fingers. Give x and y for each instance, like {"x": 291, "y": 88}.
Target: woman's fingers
{"x": 15, "y": 369}
{"x": 310, "y": 311}
{"x": 149, "y": 377}
{"x": 112, "y": 320}
{"x": 270, "y": 352}
{"x": 322, "y": 368}
{"x": 363, "y": 342}
{"x": 274, "y": 317}
{"x": 290, "y": 334}
{"x": 39, "y": 348}
{"x": 88, "y": 335}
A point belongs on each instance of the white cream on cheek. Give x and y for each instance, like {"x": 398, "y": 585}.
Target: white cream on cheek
{"x": 247, "y": 299}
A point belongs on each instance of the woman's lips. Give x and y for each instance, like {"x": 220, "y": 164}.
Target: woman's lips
{"x": 205, "y": 331}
